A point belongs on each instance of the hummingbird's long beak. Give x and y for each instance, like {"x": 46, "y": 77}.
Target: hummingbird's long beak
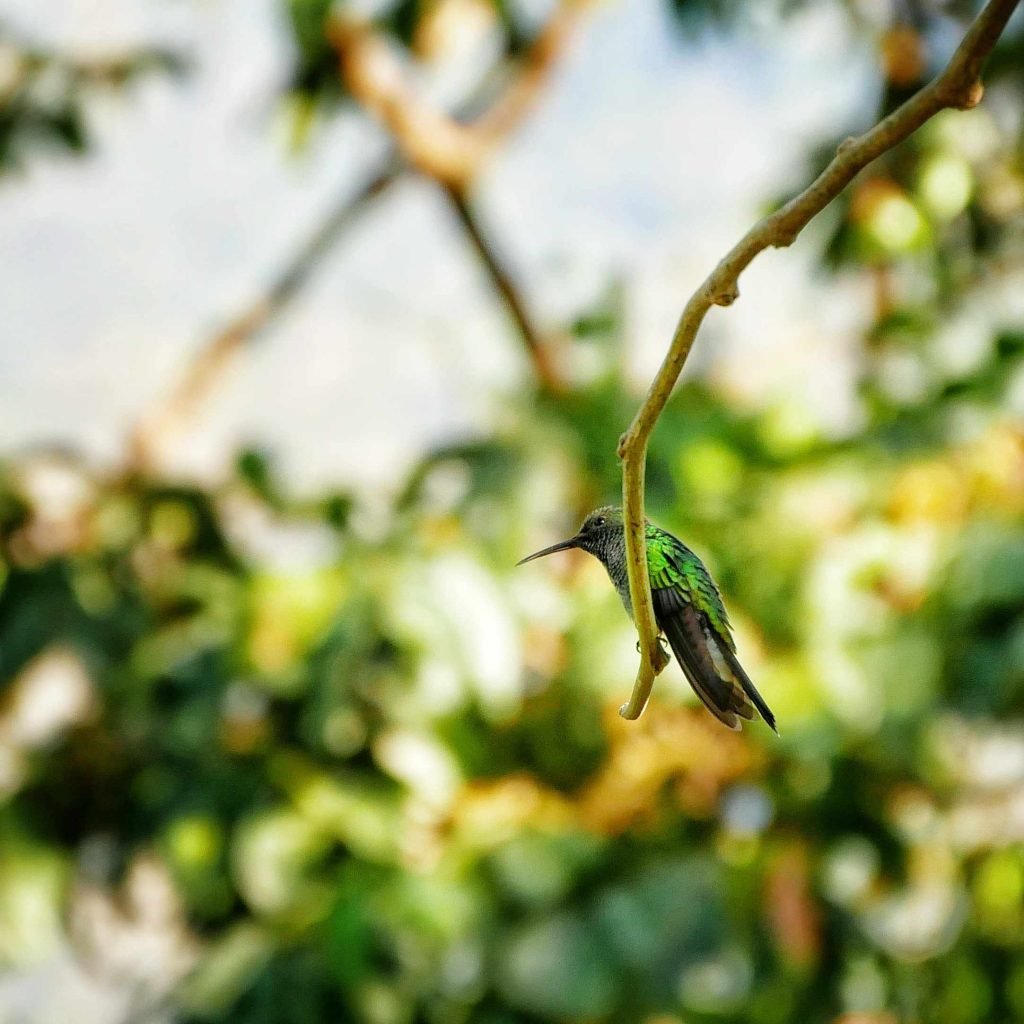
{"x": 564, "y": 545}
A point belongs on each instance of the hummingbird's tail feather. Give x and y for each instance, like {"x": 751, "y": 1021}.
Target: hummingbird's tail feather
{"x": 686, "y": 638}
{"x": 749, "y": 688}
{"x": 708, "y": 661}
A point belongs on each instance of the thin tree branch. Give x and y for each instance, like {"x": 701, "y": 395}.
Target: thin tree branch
{"x": 452, "y": 152}
{"x": 538, "y": 348}
{"x": 373, "y": 77}
{"x": 959, "y": 87}
{"x": 154, "y": 430}
{"x": 535, "y": 69}
{"x": 444, "y": 148}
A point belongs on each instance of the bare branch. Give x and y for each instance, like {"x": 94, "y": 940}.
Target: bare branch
{"x": 520, "y": 97}
{"x": 957, "y": 87}
{"x": 538, "y": 348}
{"x": 453, "y": 152}
{"x": 430, "y": 140}
{"x": 155, "y": 430}
{"x": 442, "y": 147}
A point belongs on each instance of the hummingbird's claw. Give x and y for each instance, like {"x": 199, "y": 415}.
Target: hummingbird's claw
{"x": 661, "y": 644}
{"x": 664, "y": 653}
{"x": 661, "y": 640}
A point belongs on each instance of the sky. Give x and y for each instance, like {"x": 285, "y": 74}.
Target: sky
{"x": 119, "y": 264}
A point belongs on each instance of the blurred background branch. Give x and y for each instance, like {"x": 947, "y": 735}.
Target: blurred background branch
{"x": 451, "y": 150}
{"x": 541, "y": 347}
{"x": 159, "y": 427}
{"x": 957, "y": 87}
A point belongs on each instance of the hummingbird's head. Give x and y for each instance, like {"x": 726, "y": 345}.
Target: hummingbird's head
{"x": 601, "y": 526}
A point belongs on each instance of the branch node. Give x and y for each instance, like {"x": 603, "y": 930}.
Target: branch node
{"x": 661, "y": 659}
{"x": 785, "y": 237}
{"x": 846, "y": 145}
{"x": 727, "y": 295}
{"x": 972, "y": 97}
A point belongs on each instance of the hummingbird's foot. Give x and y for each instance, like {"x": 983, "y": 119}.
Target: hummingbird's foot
{"x": 663, "y": 649}
{"x": 663, "y": 658}
{"x": 661, "y": 642}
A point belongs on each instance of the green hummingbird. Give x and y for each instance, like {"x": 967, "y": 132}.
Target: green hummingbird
{"x": 687, "y": 607}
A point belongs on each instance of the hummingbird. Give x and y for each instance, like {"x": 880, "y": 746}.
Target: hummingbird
{"x": 688, "y": 609}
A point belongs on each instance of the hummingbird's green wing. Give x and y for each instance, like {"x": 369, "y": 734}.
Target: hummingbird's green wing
{"x": 689, "y": 610}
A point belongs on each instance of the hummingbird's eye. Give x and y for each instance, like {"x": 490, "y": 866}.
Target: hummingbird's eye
{"x": 599, "y": 521}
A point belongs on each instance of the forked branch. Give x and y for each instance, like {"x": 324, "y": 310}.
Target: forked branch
{"x": 452, "y": 151}
{"x": 157, "y": 428}
{"x": 443, "y": 147}
{"x": 450, "y": 148}
{"x": 958, "y": 87}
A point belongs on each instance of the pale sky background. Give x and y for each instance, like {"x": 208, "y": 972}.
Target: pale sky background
{"x": 646, "y": 161}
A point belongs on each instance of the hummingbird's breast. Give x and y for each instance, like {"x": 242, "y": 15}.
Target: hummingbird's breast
{"x": 612, "y": 553}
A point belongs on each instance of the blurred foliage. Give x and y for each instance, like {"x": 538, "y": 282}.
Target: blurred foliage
{"x": 43, "y": 94}
{"x": 330, "y": 759}
{"x": 385, "y": 777}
